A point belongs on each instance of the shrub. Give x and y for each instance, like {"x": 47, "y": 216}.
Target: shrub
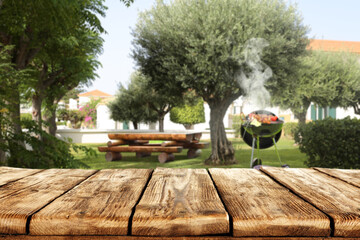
{"x": 88, "y": 112}
{"x": 25, "y": 117}
{"x": 40, "y": 150}
{"x": 330, "y": 143}
{"x": 62, "y": 114}
{"x": 236, "y": 125}
{"x": 61, "y": 123}
{"x": 189, "y": 114}
{"x": 289, "y": 129}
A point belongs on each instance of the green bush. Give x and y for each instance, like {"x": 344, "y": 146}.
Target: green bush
{"x": 25, "y": 117}
{"x": 189, "y": 114}
{"x": 61, "y": 123}
{"x": 330, "y": 143}
{"x": 289, "y": 129}
{"x": 236, "y": 125}
{"x": 74, "y": 116}
{"x": 41, "y": 150}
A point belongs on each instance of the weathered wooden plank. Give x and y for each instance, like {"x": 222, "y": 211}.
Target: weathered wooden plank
{"x": 101, "y": 205}
{"x": 199, "y": 145}
{"x": 28, "y": 237}
{"x": 113, "y": 156}
{"x": 261, "y": 207}
{"x": 141, "y": 149}
{"x": 20, "y": 199}
{"x": 338, "y": 199}
{"x": 180, "y": 202}
{"x": 124, "y": 142}
{"x": 347, "y": 175}
{"x": 154, "y": 136}
{"x": 10, "y": 174}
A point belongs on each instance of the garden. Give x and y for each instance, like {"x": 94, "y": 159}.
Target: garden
{"x": 186, "y": 55}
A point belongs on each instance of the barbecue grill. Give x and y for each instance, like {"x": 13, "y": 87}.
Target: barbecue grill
{"x": 262, "y": 128}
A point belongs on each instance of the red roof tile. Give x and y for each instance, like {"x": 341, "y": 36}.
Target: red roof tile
{"x": 95, "y": 93}
{"x": 334, "y": 46}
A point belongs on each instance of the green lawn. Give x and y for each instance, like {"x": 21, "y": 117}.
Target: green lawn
{"x": 289, "y": 154}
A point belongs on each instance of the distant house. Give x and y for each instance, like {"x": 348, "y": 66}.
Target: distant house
{"x": 334, "y": 46}
{"x": 95, "y": 94}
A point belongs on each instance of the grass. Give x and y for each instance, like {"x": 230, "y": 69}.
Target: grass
{"x": 289, "y": 154}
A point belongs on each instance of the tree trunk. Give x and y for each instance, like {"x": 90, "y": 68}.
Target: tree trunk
{"x": 36, "y": 109}
{"x": 301, "y": 114}
{"x": 135, "y": 125}
{"x": 222, "y": 151}
{"x": 356, "y": 108}
{"x": 2, "y": 153}
{"x": 189, "y": 126}
{"x": 50, "y": 118}
{"x": 301, "y": 117}
{"x": 14, "y": 114}
{"x": 161, "y": 123}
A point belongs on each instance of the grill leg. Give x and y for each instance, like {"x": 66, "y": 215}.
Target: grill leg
{"x": 258, "y": 147}
{"x": 252, "y": 151}
{"x": 277, "y": 152}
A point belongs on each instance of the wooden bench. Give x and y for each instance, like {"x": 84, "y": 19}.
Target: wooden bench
{"x": 138, "y": 142}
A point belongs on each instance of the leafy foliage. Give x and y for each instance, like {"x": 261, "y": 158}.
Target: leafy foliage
{"x": 325, "y": 78}
{"x": 131, "y": 104}
{"x": 46, "y": 49}
{"x": 199, "y": 45}
{"x": 330, "y": 143}
{"x": 289, "y": 129}
{"x": 74, "y": 116}
{"x": 192, "y": 112}
{"x": 41, "y": 150}
{"x": 88, "y": 112}
{"x": 236, "y": 125}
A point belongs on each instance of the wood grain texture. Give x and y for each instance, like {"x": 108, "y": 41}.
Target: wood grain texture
{"x": 20, "y": 199}
{"x": 261, "y": 207}
{"x": 10, "y": 174}
{"x": 154, "y": 136}
{"x": 28, "y": 237}
{"x": 141, "y": 149}
{"x": 180, "y": 202}
{"x": 198, "y": 145}
{"x": 101, "y": 205}
{"x": 338, "y": 199}
{"x": 347, "y": 175}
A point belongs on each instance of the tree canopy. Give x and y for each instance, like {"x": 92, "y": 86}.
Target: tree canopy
{"x": 324, "y": 78}
{"x": 56, "y": 44}
{"x": 200, "y": 45}
{"x": 190, "y": 113}
{"x": 131, "y": 103}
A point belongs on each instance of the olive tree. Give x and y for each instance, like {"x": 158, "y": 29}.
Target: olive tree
{"x": 325, "y": 78}
{"x": 131, "y": 104}
{"x": 200, "y": 45}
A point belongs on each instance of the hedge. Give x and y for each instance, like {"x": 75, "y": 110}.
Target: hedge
{"x": 330, "y": 143}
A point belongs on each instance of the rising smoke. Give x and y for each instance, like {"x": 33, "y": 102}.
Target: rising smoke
{"x": 253, "y": 82}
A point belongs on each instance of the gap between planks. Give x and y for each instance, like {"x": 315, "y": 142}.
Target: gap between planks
{"x": 231, "y": 227}
{"x": 332, "y": 222}
{"x": 321, "y": 170}
{"x": 106, "y": 237}
{"x": 28, "y": 220}
{"x": 137, "y": 202}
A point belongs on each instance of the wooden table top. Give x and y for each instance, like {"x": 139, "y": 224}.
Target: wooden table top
{"x": 146, "y": 135}
{"x": 179, "y": 203}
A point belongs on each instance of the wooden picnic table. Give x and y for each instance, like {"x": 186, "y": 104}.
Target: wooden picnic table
{"x": 164, "y": 203}
{"x": 138, "y": 142}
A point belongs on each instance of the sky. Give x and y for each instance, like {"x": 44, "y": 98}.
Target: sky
{"x": 327, "y": 19}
